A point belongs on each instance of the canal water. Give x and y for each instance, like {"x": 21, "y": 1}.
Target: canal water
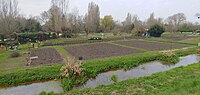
{"x": 33, "y": 89}
{"x": 140, "y": 71}
{"x": 103, "y": 78}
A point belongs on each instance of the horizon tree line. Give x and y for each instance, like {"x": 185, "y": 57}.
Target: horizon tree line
{"x": 58, "y": 19}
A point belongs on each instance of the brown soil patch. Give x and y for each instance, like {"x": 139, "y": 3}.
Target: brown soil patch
{"x": 84, "y": 41}
{"x": 96, "y": 51}
{"x": 45, "y": 56}
{"x": 151, "y": 45}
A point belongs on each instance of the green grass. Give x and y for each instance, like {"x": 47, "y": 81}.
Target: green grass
{"x": 7, "y": 63}
{"x": 91, "y": 68}
{"x": 141, "y": 49}
{"x": 114, "y": 78}
{"x": 171, "y": 41}
{"x": 195, "y": 41}
{"x": 179, "y": 81}
{"x": 24, "y": 76}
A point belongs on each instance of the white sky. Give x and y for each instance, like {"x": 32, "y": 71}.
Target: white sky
{"x": 119, "y": 8}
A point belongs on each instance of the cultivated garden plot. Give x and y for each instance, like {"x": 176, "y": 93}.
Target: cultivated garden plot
{"x": 83, "y": 41}
{"x": 179, "y": 38}
{"x": 45, "y": 56}
{"x": 96, "y": 51}
{"x": 151, "y": 45}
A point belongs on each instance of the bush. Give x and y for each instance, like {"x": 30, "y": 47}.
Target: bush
{"x": 70, "y": 72}
{"x": 15, "y": 54}
{"x": 156, "y": 30}
{"x": 45, "y": 93}
{"x": 114, "y": 78}
{"x": 32, "y": 37}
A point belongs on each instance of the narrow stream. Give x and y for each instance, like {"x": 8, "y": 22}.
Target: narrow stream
{"x": 140, "y": 71}
{"x": 33, "y": 89}
{"x": 102, "y": 79}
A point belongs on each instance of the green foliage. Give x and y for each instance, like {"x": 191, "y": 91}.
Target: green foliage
{"x": 187, "y": 28}
{"x": 91, "y": 68}
{"x": 17, "y": 77}
{"x": 67, "y": 84}
{"x": 1, "y": 37}
{"x": 70, "y": 72}
{"x": 156, "y": 30}
{"x": 30, "y": 25}
{"x": 107, "y": 23}
{"x": 114, "y": 78}
{"x": 45, "y": 93}
{"x": 32, "y": 37}
{"x": 27, "y": 37}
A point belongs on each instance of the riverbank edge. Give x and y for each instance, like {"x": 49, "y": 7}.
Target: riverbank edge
{"x": 91, "y": 68}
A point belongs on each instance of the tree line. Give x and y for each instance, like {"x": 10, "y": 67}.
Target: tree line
{"x": 59, "y": 20}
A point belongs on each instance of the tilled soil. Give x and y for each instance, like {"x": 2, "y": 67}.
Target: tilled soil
{"x": 84, "y": 41}
{"x": 181, "y": 38}
{"x": 45, "y": 56}
{"x": 97, "y": 51}
{"x": 151, "y": 45}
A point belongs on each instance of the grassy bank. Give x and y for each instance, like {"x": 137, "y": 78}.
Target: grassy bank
{"x": 8, "y": 63}
{"x": 91, "y": 68}
{"x": 25, "y": 76}
{"x": 179, "y": 81}
{"x": 94, "y": 67}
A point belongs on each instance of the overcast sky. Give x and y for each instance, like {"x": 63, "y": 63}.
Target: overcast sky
{"x": 119, "y": 8}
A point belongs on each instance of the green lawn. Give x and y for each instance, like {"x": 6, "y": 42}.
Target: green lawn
{"x": 8, "y": 63}
{"x": 195, "y": 40}
{"x": 179, "y": 81}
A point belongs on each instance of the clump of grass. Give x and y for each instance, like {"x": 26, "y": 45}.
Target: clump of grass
{"x": 47, "y": 93}
{"x": 70, "y": 72}
{"x": 169, "y": 53}
{"x": 114, "y": 78}
{"x": 71, "y": 69}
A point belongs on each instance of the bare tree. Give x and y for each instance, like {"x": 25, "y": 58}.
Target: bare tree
{"x": 175, "y": 20}
{"x": 151, "y": 20}
{"x": 92, "y": 18}
{"x": 55, "y": 18}
{"x": 44, "y": 17}
{"x": 75, "y": 23}
{"x": 9, "y": 13}
{"x": 128, "y": 23}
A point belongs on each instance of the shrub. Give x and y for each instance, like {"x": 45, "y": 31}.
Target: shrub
{"x": 114, "y": 78}
{"x": 71, "y": 71}
{"x": 45, "y": 93}
{"x": 156, "y": 30}
{"x": 32, "y": 37}
{"x": 27, "y": 37}
{"x": 15, "y": 54}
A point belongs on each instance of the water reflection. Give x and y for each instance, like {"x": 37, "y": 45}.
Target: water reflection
{"x": 33, "y": 89}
